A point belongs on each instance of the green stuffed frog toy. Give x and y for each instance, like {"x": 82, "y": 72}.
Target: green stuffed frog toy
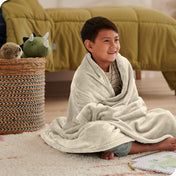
{"x": 36, "y": 46}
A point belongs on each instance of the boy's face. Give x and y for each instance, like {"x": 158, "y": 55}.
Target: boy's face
{"x": 105, "y": 47}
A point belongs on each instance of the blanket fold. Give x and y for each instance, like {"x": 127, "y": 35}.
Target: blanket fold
{"x": 97, "y": 120}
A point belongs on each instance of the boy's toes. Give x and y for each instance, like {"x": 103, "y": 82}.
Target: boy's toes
{"x": 111, "y": 156}
{"x": 107, "y": 155}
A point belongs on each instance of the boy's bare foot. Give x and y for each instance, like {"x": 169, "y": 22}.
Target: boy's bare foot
{"x": 107, "y": 155}
{"x": 167, "y": 144}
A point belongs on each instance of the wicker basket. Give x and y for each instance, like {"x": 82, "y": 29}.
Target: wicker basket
{"x": 22, "y": 95}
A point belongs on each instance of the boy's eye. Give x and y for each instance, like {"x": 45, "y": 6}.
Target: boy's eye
{"x": 116, "y": 39}
{"x": 106, "y": 41}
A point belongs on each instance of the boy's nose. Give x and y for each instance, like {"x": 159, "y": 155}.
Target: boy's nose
{"x": 113, "y": 44}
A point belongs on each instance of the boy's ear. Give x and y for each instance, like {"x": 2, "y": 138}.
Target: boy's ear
{"x": 88, "y": 45}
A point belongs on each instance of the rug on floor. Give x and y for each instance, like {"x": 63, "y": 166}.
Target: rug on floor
{"x": 26, "y": 154}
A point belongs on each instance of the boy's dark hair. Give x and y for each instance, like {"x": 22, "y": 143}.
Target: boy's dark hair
{"x": 94, "y": 25}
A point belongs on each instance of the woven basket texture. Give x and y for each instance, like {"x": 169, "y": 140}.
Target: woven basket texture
{"x": 22, "y": 95}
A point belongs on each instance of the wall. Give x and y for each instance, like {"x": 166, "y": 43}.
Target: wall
{"x": 166, "y": 6}
{"x": 89, "y": 3}
{"x": 49, "y": 3}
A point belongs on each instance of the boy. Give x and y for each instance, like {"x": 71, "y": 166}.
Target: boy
{"x": 103, "y": 44}
{"x": 105, "y": 113}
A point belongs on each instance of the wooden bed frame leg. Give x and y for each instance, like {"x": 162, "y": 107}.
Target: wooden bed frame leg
{"x": 138, "y": 74}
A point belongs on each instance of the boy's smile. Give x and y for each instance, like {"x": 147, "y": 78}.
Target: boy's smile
{"x": 105, "y": 47}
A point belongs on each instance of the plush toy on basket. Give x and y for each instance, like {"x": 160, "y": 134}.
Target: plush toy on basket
{"x": 36, "y": 46}
{"x": 10, "y": 50}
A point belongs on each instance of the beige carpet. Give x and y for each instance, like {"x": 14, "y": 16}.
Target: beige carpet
{"x": 26, "y": 154}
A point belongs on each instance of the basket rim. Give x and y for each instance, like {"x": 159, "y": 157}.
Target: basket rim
{"x": 23, "y": 59}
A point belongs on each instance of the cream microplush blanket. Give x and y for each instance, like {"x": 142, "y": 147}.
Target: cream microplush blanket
{"x": 98, "y": 120}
